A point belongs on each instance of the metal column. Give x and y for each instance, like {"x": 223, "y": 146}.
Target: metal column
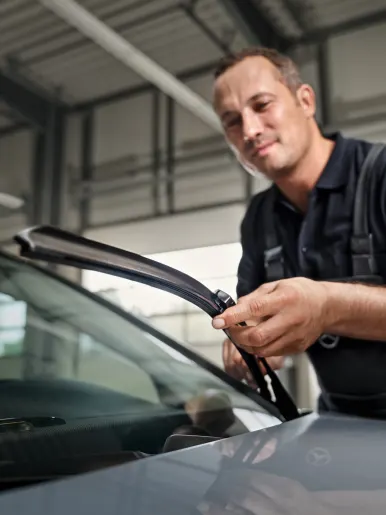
{"x": 170, "y": 154}
{"x": 87, "y": 168}
{"x": 35, "y": 204}
{"x": 56, "y": 172}
{"x": 324, "y": 83}
{"x": 156, "y": 152}
{"x": 45, "y": 355}
{"x": 48, "y": 175}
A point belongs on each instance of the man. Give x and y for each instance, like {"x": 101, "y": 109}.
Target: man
{"x": 268, "y": 117}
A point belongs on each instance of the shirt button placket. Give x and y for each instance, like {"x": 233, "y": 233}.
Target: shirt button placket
{"x": 303, "y": 249}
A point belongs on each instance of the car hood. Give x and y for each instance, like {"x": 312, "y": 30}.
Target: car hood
{"x": 319, "y": 465}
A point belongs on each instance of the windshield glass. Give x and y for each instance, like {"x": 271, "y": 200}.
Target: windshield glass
{"x": 66, "y": 354}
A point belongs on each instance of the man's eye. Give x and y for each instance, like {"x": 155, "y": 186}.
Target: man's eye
{"x": 232, "y": 122}
{"x": 260, "y": 106}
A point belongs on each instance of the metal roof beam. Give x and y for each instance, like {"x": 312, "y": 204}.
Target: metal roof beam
{"x": 299, "y": 14}
{"x": 130, "y": 56}
{"x": 192, "y": 14}
{"x": 255, "y": 25}
{"x": 12, "y": 129}
{"x": 145, "y": 87}
{"x": 33, "y": 107}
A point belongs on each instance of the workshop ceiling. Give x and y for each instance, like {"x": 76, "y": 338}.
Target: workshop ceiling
{"x": 332, "y": 13}
{"x": 57, "y": 55}
{"x": 180, "y": 35}
{"x": 312, "y": 20}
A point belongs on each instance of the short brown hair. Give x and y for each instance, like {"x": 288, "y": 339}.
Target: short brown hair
{"x": 286, "y": 67}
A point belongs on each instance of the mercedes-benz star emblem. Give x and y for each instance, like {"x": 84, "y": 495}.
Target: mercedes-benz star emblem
{"x": 318, "y": 457}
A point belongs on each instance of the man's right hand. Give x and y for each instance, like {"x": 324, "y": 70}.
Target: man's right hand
{"x": 236, "y": 367}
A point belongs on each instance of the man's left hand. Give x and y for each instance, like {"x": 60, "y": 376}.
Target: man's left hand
{"x": 284, "y": 317}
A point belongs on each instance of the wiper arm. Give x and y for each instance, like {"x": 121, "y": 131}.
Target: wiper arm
{"x": 57, "y": 246}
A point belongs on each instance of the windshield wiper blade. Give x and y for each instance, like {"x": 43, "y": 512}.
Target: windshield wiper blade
{"x": 54, "y": 245}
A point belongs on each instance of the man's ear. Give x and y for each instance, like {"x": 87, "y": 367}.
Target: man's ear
{"x": 307, "y": 100}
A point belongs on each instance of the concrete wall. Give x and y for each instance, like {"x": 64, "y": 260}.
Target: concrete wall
{"x": 356, "y": 81}
{"x": 185, "y": 231}
{"x": 357, "y": 74}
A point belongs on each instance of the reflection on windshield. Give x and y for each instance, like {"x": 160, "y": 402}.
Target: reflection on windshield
{"x": 49, "y": 331}
{"x": 13, "y": 316}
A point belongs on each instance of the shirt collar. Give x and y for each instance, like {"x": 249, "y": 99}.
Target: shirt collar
{"x": 334, "y": 174}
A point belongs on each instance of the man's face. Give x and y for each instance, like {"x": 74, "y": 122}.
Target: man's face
{"x": 266, "y": 125}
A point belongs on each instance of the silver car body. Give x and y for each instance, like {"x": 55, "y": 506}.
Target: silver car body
{"x": 319, "y": 465}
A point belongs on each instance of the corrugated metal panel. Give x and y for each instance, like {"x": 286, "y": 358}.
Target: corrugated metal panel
{"x": 172, "y": 40}
{"x": 294, "y": 18}
{"x": 331, "y": 12}
{"x": 59, "y": 55}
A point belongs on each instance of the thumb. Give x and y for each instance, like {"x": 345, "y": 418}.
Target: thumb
{"x": 232, "y": 316}
{"x": 257, "y": 305}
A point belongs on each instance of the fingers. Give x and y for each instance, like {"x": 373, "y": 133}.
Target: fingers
{"x": 233, "y": 362}
{"x": 254, "y": 339}
{"x": 250, "y": 307}
{"x": 277, "y": 348}
{"x": 284, "y": 345}
{"x": 276, "y": 362}
{"x": 225, "y": 352}
{"x": 235, "y": 365}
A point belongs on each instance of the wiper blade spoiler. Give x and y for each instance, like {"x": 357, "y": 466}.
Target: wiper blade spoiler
{"x": 57, "y": 246}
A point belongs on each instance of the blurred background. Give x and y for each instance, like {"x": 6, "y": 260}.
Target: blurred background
{"x": 106, "y": 129}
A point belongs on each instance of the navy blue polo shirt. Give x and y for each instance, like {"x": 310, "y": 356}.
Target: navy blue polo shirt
{"x": 317, "y": 244}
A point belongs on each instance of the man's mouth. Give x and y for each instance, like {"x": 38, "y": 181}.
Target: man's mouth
{"x": 262, "y": 150}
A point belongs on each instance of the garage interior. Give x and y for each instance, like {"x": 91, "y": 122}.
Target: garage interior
{"x": 107, "y": 130}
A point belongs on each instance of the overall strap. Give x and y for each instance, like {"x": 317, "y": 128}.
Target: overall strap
{"x": 363, "y": 261}
{"x": 273, "y": 254}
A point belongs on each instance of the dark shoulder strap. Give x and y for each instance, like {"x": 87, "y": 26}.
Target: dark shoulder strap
{"x": 362, "y": 238}
{"x": 361, "y": 206}
{"x": 271, "y": 239}
{"x": 273, "y": 254}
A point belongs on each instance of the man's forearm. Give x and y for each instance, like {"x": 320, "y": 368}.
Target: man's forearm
{"x": 356, "y": 311}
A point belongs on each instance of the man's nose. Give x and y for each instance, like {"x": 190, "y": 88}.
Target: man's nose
{"x": 252, "y": 126}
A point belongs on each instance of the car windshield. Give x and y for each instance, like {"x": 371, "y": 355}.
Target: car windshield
{"x": 71, "y": 341}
